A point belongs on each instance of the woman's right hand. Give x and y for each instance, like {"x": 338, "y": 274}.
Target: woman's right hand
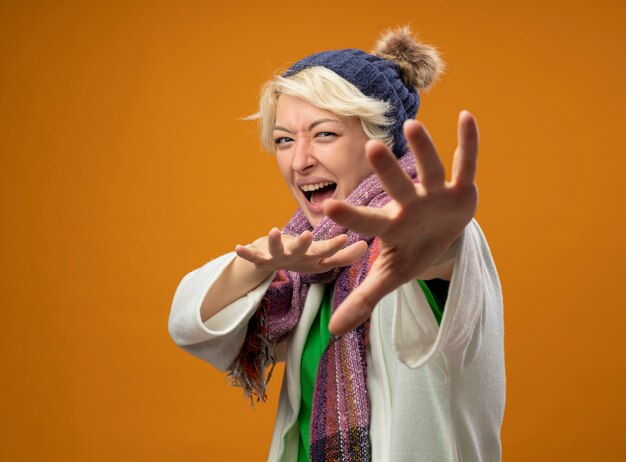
{"x": 276, "y": 251}
{"x": 301, "y": 254}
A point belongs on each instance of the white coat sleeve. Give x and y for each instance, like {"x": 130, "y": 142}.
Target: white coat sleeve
{"x": 473, "y": 290}
{"x": 219, "y": 339}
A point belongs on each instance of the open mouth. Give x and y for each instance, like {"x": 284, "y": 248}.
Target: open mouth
{"x": 319, "y": 192}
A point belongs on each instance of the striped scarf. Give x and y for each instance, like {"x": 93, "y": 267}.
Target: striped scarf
{"x": 341, "y": 410}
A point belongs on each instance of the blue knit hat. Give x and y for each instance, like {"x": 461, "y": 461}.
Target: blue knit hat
{"x": 376, "y": 78}
{"x": 399, "y": 67}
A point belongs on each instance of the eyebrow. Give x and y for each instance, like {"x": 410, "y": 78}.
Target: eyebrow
{"x": 317, "y": 122}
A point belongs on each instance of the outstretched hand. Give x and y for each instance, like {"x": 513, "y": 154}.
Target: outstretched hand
{"x": 420, "y": 223}
{"x": 301, "y": 254}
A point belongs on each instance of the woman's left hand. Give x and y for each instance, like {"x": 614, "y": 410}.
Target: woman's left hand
{"x": 420, "y": 223}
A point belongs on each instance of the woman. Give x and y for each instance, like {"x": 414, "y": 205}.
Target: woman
{"x": 388, "y": 378}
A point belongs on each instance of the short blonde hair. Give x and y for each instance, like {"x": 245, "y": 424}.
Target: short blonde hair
{"x": 326, "y": 90}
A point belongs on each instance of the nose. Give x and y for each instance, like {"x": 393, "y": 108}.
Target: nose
{"x": 303, "y": 156}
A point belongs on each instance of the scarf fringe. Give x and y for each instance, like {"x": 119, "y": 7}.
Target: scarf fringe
{"x": 250, "y": 369}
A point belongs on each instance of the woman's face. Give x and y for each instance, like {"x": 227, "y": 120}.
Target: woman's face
{"x": 320, "y": 154}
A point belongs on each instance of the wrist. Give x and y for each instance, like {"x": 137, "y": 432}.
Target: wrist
{"x": 450, "y": 254}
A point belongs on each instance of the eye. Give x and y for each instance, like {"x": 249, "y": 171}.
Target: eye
{"x": 325, "y": 134}
{"x": 282, "y": 140}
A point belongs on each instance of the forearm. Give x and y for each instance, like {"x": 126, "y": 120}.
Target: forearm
{"x": 237, "y": 279}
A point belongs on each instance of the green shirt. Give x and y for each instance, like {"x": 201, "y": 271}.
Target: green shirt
{"x": 314, "y": 347}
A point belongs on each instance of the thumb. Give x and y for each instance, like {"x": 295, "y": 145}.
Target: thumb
{"x": 358, "y": 306}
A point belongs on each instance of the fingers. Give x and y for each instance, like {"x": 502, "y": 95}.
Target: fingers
{"x": 364, "y": 220}
{"x": 275, "y": 247}
{"x": 344, "y": 257}
{"x": 301, "y": 243}
{"x": 429, "y": 167}
{"x": 466, "y": 154}
{"x": 300, "y": 253}
{"x": 248, "y": 253}
{"x": 275, "y": 242}
{"x": 395, "y": 181}
{"x": 329, "y": 247}
{"x": 358, "y": 306}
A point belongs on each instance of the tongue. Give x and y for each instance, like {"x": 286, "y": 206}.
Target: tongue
{"x": 321, "y": 195}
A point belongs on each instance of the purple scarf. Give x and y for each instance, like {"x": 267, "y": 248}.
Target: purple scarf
{"x": 341, "y": 410}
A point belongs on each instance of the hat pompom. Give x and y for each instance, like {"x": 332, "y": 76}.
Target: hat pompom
{"x": 420, "y": 64}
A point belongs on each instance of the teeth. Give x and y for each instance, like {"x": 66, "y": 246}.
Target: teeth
{"x": 313, "y": 187}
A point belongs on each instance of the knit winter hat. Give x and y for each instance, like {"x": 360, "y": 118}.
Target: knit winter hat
{"x": 394, "y": 72}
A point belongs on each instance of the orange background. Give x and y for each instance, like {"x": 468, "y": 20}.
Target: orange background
{"x": 125, "y": 165}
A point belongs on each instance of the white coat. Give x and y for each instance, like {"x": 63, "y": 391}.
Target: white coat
{"x": 437, "y": 392}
